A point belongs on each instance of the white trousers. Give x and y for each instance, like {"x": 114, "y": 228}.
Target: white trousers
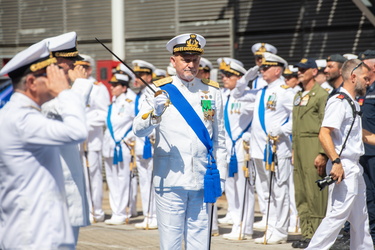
{"x": 95, "y": 194}
{"x": 182, "y": 215}
{"x": 237, "y": 199}
{"x": 144, "y": 167}
{"x": 348, "y": 203}
{"x": 118, "y": 179}
{"x": 278, "y": 218}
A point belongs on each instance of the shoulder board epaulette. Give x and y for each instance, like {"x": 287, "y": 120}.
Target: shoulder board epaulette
{"x": 341, "y": 96}
{"x": 163, "y": 81}
{"x": 128, "y": 100}
{"x": 97, "y": 83}
{"x": 327, "y": 89}
{"x": 284, "y": 86}
{"x": 210, "y": 83}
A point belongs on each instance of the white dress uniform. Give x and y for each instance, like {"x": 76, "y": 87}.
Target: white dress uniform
{"x": 34, "y": 214}
{"x": 240, "y": 110}
{"x": 145, "y": 169}
{"x": 348, "y": 198}
{"x": 118, "y": 176}
{"x": 180, "y": 160}
{"x": 327, "y": 87}
{"x": 71, "y": 163}
{"x": 277, "y": 104}
{"x": 96, "y": 114}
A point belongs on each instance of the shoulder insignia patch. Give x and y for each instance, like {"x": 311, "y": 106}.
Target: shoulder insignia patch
{"x": 210, "y": 83}
{"x": 327, "y": 89}
{"x": 97, "y": 83}
{"x": 163, "y": 81}
{"x": 340, "y": 97}
{"x": 128, "y": 100}
{"x": 284, "y": 86}
{"x": 361, "y": 101}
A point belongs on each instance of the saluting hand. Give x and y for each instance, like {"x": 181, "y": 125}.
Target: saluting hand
{"x": 78, "y": 72}
{"x": 57, "y": 81}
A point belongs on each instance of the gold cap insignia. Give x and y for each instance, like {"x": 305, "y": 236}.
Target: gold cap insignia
{"x": 261, "y": 50}
{"x": 226, "y": 67}
{"x": 191, "y": 45}
{"x": 303, "y": 60}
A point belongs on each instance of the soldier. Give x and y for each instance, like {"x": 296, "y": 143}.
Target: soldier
{"x": 333, "y": 71}
{"x": 258, "y": 49}
{"x": 143, "y": 149}
{"x": 341, "y": 125}
{"x": 238, "y": 115}
{"x": 205, "y": 67}
{"x": 159, "y": 74}
{"x": 368, "y": 122}
{"x": 91, "y": 149}
{"x": 272, "y": 118}
{"x": 116, "y": 151}
{"x": 34, "y": 211}
{"x": 290, "y": 75}
{"x": 321, "y": 78}
{"x": 308, "y": 113}
{"x": 63, "y": 47}
{"x": 188, "y": 171}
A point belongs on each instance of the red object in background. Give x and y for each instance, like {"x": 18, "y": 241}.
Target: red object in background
{"x": 104, "y": 72}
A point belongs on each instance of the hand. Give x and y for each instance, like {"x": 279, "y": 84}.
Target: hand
{"x": 251, "y": 74}
{"x": 337, "y": 172}
{"x": 78, "y": 72}
{"x": 246, "y": 137}
{"x": 276, "y": 131}
{"x": 160, "y": 102}
{"x": 320, "y": 163}
{"x": 57, "y": 81}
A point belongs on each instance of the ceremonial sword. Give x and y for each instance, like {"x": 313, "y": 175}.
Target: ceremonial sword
{"x": 110, "y": 51}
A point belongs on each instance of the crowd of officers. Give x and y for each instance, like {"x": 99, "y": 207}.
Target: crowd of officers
{"x": 276, "y": 129}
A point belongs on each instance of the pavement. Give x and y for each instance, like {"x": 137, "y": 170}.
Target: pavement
{"x": 100, "y": 236}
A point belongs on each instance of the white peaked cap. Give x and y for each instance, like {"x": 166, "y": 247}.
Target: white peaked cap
{"x": 273, "y": 60}
{"x": 187, "y": 43}
{"x": 143, "y": 66}
{"x": 160, "y": 72}
{"x": 260, "y": 48}
{"x": 127, "y": 71}
{"x": 231, "y": 65}
{"x": 33, "y": 58}
{"x": 350, "y": 56}
{"x": 205, "y": 63}
{"x": 321, "y": 63}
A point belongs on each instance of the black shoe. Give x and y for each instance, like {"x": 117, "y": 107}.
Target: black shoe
{"x": 301, "y": 243}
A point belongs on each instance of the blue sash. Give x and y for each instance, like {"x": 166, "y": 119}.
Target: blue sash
{"x": 261, "y": 113}
{"x": 212, "y": 188}
{"x": 233, "y": 163}
{"x": 255, "y": 83}
{"x": 147, "y": 152}
{"x": 117, "y": 153}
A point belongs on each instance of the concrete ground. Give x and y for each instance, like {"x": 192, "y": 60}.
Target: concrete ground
{"x": 103, "y": 237}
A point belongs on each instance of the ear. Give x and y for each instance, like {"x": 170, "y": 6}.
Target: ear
{"x": 353, "y": 77}
{"x": 30, "y": 82}
{"x": 173, "y": 61}
{"x": 315, "y": 72}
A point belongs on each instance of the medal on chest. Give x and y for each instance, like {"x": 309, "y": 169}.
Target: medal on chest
{"x": 304, "y": 100}
{"x": 208, "y": 106}
{"x": 235, "y": 108}
{"x": 271, "y": 102}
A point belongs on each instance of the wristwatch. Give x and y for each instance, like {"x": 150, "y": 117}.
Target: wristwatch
{"x": 337, "y": 160}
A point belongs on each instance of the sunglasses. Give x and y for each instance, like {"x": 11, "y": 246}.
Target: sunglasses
{"x": 265, "y": 67}
{"x": 356, "y": 67}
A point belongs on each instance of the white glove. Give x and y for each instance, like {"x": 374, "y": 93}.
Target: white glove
{"x": 276, "y": 131}
{"x": 246, "y": 137}
{"x": 159, "y": 103}
{"x": 251, "y": 74}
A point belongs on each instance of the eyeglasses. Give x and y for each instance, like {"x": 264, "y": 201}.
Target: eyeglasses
{"x": 356, "y": 67}
{"x": 226, "y": 74}
{"x": 265, "y": 68}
